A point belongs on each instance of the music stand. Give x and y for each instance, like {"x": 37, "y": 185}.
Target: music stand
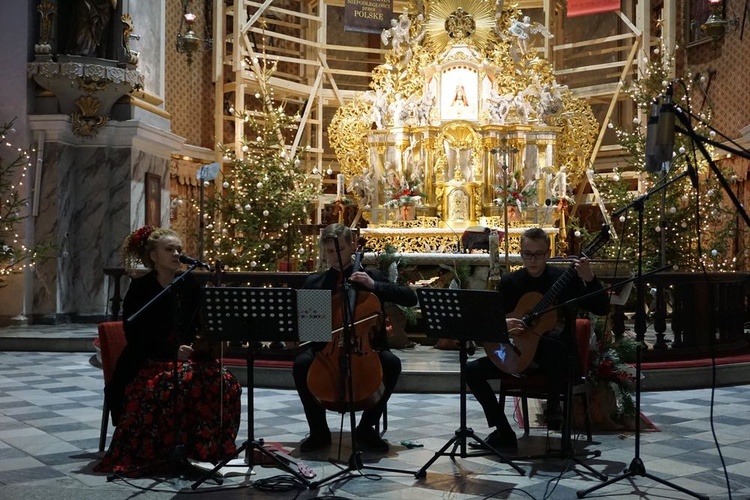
{"x": 248, "y": 315}
{"x": 463, "y": 315}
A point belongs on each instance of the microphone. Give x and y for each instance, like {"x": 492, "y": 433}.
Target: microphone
{"x": 194, "y": 262}
{"x": 652, "y": 130}
{"x": 664, "y": 148}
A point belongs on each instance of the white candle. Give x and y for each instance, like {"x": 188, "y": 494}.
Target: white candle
{"x": 563, "y": 184}
{"x": 340, "y": 186}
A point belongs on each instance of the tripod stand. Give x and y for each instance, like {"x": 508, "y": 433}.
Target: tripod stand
{"x": 463, "y": 315}
{"x": 636, "y": 467}
{"x": 251, "y": 314}
{"x": 343, "y": 361}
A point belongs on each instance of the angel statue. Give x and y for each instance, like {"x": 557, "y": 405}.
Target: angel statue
{"x": 378, "y": 108}
{"x": 498, "y": 106}
{"x": 522, "y": 30}
{"x": 400, "y": 36}
{"x": 364, "y": 186}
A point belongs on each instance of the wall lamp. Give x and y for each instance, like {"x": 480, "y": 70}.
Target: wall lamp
{"x": 716, "y": 26}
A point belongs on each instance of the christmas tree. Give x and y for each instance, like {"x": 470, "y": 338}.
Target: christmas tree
{"x": 14, "y": 162}
{"x": 253, "y": 218}
{"x": 691, "y": 229}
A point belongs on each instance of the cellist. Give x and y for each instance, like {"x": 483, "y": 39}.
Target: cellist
{"x": 370, "y": 280}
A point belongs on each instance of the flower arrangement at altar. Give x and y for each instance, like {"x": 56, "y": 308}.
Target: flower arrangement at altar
{"x": 402, "y": 188}
{"x": 515, "y": 194}
{"x": 403, "y": 197}
{"x": 610, "y": 372}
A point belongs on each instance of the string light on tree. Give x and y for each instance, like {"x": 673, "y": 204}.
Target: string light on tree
{"x": 14, "y": 165}
{"x": 265, "y": 189}
{"x": 682, "y": 213}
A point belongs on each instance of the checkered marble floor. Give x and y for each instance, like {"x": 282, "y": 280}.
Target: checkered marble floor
{"x": 50, "y": 410}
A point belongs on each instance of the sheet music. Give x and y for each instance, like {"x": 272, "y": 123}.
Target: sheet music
{"x": 314, "y": 321}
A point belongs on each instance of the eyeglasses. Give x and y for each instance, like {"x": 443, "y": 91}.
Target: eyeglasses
{"x": 533, "y": 255}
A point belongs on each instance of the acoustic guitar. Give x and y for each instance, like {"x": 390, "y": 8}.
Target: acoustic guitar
{"x": 532, "y": 309}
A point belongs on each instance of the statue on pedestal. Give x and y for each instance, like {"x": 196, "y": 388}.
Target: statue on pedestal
{"x": 92, "y": 22}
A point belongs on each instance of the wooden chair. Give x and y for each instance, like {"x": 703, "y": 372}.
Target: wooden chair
{"x": 111, "y": 342}
{"x": 535, "y": 385}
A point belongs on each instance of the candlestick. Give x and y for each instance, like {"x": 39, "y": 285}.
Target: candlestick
{"x": 339, "y": 186}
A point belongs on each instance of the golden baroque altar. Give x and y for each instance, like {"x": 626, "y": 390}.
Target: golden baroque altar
{"x": 464, "y": 125}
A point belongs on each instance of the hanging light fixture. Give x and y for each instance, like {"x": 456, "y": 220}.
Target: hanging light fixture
{"x": 187, "y": 40}
{"x": 716, "y": 26}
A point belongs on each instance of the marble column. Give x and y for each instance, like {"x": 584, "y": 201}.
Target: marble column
{"x": 91, "y": 194}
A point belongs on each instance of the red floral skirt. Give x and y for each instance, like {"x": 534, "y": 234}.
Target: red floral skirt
{"x": 203, "y": 417}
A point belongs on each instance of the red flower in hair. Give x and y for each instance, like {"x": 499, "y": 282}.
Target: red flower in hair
{"x": 140, "y": 236}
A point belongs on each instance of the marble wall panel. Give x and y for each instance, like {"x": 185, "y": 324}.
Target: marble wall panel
{"x": 91, "y": 198}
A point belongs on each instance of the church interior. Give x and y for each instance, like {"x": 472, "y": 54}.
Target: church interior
{"x": 439, "y": 130}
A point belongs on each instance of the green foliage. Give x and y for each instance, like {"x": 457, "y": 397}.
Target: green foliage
{"x": 610, "y": 367}
{"x": 253, "y": 218}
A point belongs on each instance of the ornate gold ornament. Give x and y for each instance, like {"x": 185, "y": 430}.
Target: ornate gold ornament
{"x": 87, "y": 120}
{"x": 460, "y": 21}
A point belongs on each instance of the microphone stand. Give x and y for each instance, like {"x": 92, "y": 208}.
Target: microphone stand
{"x": 700, "y": 141}
{"x": 637, "y": 468}
{"x": 348, "y": 300}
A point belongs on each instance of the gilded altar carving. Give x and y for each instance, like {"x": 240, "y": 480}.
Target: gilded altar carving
{"x": 462, "y": 79}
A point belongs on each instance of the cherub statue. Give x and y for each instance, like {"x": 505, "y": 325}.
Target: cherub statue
{"x": 498, "y": 107}
{"x": 523, "y": 29}
{"x": 398, "y": 33}
{"x": 550, "y": 100}
{"x": 523, "y": 108}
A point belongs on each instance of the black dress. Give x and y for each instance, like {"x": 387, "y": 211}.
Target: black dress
{"x": 203, "y": 414}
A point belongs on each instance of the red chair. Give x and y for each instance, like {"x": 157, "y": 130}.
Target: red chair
{"x": 535, "y": 385}
{"x": 111, "y": 342}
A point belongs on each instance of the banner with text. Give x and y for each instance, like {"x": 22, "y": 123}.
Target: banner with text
{"x": 586, "y": 7}
{"x": 367, "y": 16}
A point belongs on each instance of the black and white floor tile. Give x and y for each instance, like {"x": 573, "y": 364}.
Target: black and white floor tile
{"x": 50, "y": 413}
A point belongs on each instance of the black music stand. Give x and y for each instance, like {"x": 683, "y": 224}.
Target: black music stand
{"x": 249, "y": 315}
{"x": 463, "y": 315}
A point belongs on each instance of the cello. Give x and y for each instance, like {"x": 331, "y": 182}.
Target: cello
{"x": 349, "y": 356}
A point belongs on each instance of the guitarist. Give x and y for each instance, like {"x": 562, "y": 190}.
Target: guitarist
{"x": 551, "y": 356}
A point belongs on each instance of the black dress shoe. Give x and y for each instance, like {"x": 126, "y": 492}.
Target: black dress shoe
{"x": 499, "y": 440}
{"x": 315, "y": 442}
{"x": 369, "y": 439}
